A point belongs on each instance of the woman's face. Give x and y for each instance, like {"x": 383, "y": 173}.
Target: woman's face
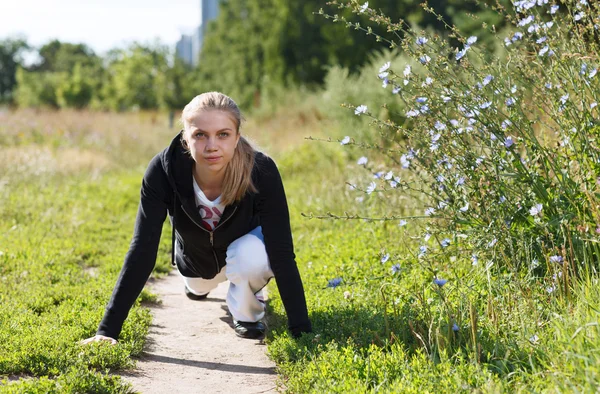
{"x": 211, "y": 136}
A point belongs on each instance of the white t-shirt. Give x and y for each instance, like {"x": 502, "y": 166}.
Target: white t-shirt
{"x": 210, "y": 211}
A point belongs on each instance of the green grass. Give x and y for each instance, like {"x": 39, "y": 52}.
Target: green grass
{"x": 63, "y": 237}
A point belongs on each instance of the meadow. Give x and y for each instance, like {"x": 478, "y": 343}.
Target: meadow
{"x": 445, "y": 222}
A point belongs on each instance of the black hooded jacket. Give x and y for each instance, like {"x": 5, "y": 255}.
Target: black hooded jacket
{"x": 167, "y": 188}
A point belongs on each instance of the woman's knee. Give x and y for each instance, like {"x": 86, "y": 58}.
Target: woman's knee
{"x": 247, "y": 256}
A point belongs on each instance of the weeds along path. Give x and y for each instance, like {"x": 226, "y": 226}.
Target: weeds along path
{"x": 191, "y": 348}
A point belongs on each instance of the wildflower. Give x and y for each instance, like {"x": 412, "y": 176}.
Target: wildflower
{"x": 347, "y": 295}
{"x": 445, "y": 242}
{"x": 541, "y": 40}
{"x": 388, "y": 176}
{"x": 362, "y": 161}
{"x": 502, "y": 199}
{"x": 428, "y": 81}
{"x": 385, "y": 67}
{"x": 383, "y": 75}
{"x": 593, "y": 105}
{"x": 407, "y": 71}
{"x": 455, "y": 327}
{"x": 345, "y": 141}
{"x": 507, "y": 42}
{"x": 359, "y": 199}
{"x": 564, "y": 98}
{"x": 385, "y": 258}
{"x": 404, "y": 161}
{"x": 534, "y": 339}
{"x": 593, "y": 73}
{"x": 364, "y": 7}
{"x": 535, "y": 210}
{"x": 405, "y": 82}
{"x": 439, "y": 126}
{"x": 422, "y": 250}
{"x": 548, "y": 25}
{"x": 553, "y": 9}
{"x": 421, "y": 100}
{"x": 402, "y": 223}
{"x": 548, "y": 86}
{"x": 535, "y": 263}
{"x": 335, "y": 282}
{"x": 396, "y": 90}
{"x": 474, "y": 259}
{"x": 385, "y": 83}
{"x": 578, "y": 16}
{"x": 393, "y": 184}
{"x": 526, "y": 21}
{"x": 421, "y": 40}
{"x": 471, "y": 40}
{"x": 510, "y": 102}
{"x": 517, "y": 36}
{"x": 551, "y": 289}
{"x": 440, "y": 282}
{"x": 429, "y": 211}
{"x": 424, "y": 109}
{"x": 513, "y": 89}
{"x": 487, "y": 80}
{"x": 492, "y": 243}
{"x": 361, "y": 109}
{"x": 440, "y": 178}
{"x": 508, "y": 142}
{"x": 426, "y": 237}
{"x": 378, "y": 175}
{"x": 479, "y": 160}
{"x": 485, "y": 105}
{"x": 465, "y": 208}
{"x": 460, "y": 54}
{"x": 412, "y": 113}
{"x": 556, "y": 259}
{"x": 371, "y": 188}
{"x": 543, "y": 51}
{"x": 424, "y": 59}
{"x": 505, "y": 124}
{"x": 395, "y": 268}
{"x": 533, "y": 28}
{"x": 460, "y": 181}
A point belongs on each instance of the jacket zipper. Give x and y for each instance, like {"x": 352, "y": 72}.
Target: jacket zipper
{"x": 211, "y": 232}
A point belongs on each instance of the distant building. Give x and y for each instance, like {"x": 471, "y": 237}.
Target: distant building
{"x": 189, "y": 46}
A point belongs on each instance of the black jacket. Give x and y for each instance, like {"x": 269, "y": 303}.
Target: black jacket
{"x": 167, "y": 187}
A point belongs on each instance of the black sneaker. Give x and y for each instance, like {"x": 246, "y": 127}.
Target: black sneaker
{"x": 251, "y": 330}
{"x": 193, "y": 296}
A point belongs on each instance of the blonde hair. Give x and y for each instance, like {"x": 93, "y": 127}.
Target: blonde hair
{"x": 238, "y": 174}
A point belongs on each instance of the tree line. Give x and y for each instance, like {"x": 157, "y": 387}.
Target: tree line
{"x": 252, "y": 48}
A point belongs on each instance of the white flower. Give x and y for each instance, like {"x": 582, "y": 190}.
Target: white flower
{"x": 361, "y": 109}
{"x": 385, "y": 258}
{"x": 593, "y": 105}
{"x": 429, "y": 211}
{"x": 426, "y": 237}
{"x": 471, "y": 40}
{"x": 396, "y": 90}
{"x": 385, "y": 82}
{"x": 385, "y": 67}
{"x": 465, "y": 208}
{"x": 445, "y": 242}
{"x": 364, "y": 7}
{"x": 535, "y": 210}
{"x": 543, "y": 51}
{"x": 371, "y": 188}
{"x": 404, "y": 161}
{"x": 402, "y": 223}
{"x": 534, "y": 339}
{"x": 553, "y": 9}
{"x": 393, "y": 184}
{"x": 424, "y": 59}
{"x": 388, "y": 176}
{"x": 412, "y": 113}
{"x": 345, "y": 141}
{"x": 593, "y": 73}
{"x": 487, "y": 79}
{"x": 407, "y": 71}
{"x": 383, "y": 75}
{"x": 362, "y": 161}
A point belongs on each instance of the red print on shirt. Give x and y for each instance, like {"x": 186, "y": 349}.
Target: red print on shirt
{"x": 210, "y": 216}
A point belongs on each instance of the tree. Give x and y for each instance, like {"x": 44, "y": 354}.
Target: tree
{"x": 11, "y": 57}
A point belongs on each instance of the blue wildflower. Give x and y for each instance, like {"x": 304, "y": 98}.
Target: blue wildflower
{"x": 510, "y": 102}
{"x": 471, "y": 40}
{"x": 455, "y": 327}
{"x": 553, "y": 9}
{"x": 487, "y": 79}
{"x": 445, "y": 242}
{"x": 517, "y": 36}
{"x": 395, "y": 268}
{"x": 424, "y": 59}
{"x": 526, "y": 21}
{"x": 460, "y": 54}
{"x": 335, "y": 282}
{"x": 440, "y": 282}
{"x": 421, "y": 40}
{"x": 421, "y": 100}
{"x": 361, "y": 109}
{"x": 385, "y": 258}
{"x": 556, "y": 259}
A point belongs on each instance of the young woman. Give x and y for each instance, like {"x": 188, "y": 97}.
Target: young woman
{"x": 230, "y": 221}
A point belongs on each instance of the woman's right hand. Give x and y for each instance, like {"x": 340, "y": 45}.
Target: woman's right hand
{"x": 99, "y": 338}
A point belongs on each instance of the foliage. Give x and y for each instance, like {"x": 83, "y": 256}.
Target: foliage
{"x": 11, "y": 52}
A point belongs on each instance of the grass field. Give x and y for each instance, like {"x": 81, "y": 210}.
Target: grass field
{"x": 69, "y": 189}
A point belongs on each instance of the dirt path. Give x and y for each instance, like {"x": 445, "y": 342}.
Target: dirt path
{"x": 192, "y": 348}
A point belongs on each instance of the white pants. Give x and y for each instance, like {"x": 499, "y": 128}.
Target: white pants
{"x": 247, "y": 270}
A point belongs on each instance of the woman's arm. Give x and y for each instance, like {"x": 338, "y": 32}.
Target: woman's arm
{"x": 275, "y": 222}
{"x": 141, "y": 257}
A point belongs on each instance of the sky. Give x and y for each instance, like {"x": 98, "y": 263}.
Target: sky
{"x": 101, "y": 24}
